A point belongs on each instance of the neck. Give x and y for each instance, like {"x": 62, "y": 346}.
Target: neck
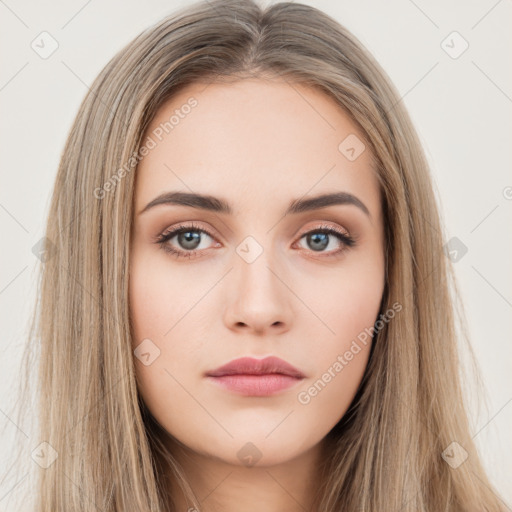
{"x": 222, "y": 487}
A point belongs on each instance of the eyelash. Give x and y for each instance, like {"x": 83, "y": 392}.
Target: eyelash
{"x": 164, "y": 237}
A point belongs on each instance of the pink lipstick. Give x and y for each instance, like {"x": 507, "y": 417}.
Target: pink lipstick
{"x": 256, "y": 377}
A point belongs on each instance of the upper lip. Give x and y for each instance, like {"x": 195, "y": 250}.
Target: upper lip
{"x": 252, "y": 366}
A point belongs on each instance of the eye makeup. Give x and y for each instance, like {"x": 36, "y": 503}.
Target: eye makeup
{"x": 328, "y": 231}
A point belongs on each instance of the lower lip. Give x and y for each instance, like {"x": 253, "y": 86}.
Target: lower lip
{"x": 256, "y": 385}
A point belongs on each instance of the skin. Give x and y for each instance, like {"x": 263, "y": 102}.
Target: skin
{"x": 258, "y": 144}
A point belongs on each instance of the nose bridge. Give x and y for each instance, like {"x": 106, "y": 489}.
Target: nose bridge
{"x": 260, "y": 298}
{"x": 256, "y": 265}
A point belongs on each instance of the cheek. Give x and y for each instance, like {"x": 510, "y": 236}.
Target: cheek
{"x": 156, "y": 312}
{"x": 161, "y": 296}
{"x": 339, "y": 366}
{"x": 165, "y": 303}
{"x": 346, "y": 301}
{"x": 348, "y": 306}
{"x": 329, "y": 394}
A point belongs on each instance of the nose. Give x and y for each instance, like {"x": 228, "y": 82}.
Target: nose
{"x": 260, "y": 302}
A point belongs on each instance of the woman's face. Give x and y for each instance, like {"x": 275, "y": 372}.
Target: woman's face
{"x": 253, "y": 274}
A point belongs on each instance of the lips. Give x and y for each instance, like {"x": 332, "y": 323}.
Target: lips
{"x": 251, "y": 366}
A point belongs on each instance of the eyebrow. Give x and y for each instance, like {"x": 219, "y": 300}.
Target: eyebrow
{"x": 215, "y": 204}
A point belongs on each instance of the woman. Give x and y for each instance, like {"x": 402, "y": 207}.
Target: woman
{"x": 293, "y": 344}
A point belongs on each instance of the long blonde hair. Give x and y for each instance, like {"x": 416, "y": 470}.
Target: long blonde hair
{"x": 387, "y": 451}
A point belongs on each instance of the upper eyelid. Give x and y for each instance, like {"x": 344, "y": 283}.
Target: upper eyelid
{"x": 180, "y": 227}
{"x": 195, "y": 227}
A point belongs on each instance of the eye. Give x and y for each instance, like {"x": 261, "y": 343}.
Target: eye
{"x": 188, "y": 239}
{"x": 320, "y": 238}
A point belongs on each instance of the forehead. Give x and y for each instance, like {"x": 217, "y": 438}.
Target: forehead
{"x": 255, "y": 140}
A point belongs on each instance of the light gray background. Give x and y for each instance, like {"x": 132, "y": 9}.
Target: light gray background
{"x": 461, "y": 108}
